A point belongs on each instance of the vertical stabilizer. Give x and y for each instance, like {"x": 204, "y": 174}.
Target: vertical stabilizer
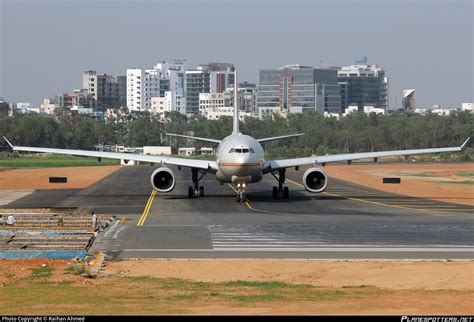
{"x": 235, "y": 129}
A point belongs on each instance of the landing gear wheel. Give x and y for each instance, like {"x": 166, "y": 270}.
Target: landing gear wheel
{"x": 275, "y": 192}
{"x": 241, "y": 196}
{"x": 195, "y": 190}
{"x": 286, "y": 192}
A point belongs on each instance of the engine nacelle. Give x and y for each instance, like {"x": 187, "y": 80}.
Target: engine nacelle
{"x": 315, "y": 180}
{"x": 162, "y": 179}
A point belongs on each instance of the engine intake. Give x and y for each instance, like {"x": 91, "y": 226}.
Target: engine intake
{"x": 162, "y": 179}
{"x": 315, "y": 180}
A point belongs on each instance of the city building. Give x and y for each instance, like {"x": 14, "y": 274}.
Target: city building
{"x": 197, "y": 81}
{"x": 247, "y": 96}
{"x": 363, "y": 85}
{"x": 102, "y": 88}
{"x": 24, "y": 108}
{"x": 210, "y": 78}
{"x": 122, "y": 90}
{"x": 48, "y": 106}
{"x": 77, "y": 97}
{"x": 212, "y": 102}
{"x": 409, "y": 100}
{"x": 296, "y": 89}
{"x": 142, "y": 85}
{"x": 467, "y": 107}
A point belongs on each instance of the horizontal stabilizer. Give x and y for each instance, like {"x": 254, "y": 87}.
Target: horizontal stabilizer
{"x": 195, "y": 138}
{"x": 279, "y": 137}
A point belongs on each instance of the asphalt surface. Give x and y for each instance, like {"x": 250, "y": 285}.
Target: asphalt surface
{"x": 347, "y": 221}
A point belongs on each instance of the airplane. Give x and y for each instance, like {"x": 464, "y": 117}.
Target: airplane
{"x": 240, "y": 161}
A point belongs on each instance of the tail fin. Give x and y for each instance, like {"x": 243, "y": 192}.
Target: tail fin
{"x": 235, "y": 129}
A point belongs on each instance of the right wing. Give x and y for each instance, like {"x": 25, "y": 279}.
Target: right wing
{"x": 288, "y": 163}
{"x": 195, "y": 138}
{"x": 190, "y": 163}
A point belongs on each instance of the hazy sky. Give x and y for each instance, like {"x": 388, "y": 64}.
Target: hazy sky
{"x": 426, "y": 45}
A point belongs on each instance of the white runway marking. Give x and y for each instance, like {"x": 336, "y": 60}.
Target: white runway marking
{"x": 347, "y": 248}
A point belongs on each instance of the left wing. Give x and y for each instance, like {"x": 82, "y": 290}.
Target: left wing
{"x": 279, "y": 164}
{"x": 190, "y": 163}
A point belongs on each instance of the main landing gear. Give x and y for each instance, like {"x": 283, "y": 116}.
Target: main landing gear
{"x": 241, "y": 192}
{"x": 195, "y": 190}
{"x": 281, "y": 190}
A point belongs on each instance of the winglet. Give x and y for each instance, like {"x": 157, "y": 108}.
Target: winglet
{"x": 11, "y": 145}
{"x": 465, "y": 142}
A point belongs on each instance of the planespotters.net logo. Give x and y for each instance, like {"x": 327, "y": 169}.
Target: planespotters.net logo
{"x": 437, "y": 319}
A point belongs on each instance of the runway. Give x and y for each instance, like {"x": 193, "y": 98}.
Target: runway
{"x": 347, "y": 221}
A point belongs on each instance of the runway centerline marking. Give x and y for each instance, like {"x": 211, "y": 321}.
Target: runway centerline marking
{"x": 142, "y": 219}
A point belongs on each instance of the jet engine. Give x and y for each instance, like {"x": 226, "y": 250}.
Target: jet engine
{"x": 315, "y": 180}
{"x": 162, "y": 179}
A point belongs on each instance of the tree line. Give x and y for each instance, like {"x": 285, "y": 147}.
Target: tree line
{"x": 356, "y": 132}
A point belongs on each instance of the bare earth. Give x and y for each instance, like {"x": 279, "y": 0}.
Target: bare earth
{"x": 425, "y": 180}
{"x": 77, "y": 177}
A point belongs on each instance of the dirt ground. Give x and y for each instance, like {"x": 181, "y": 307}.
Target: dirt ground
{"x": 77, "y": 177}
{"x": 394, "y": 275}
{"x": 347, "y": 287}
{"x": 426, "y": 180}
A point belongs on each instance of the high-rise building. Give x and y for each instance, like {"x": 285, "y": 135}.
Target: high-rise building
{"x": 102, "y": 88}
{"x": 363, "y": 85}
{"x": 210, "y": 78}
{"x": 122, "y": 90}
{"x": 197, "y": 81}
{"x": 142, "y": 85}
{"x": 297, "y": 88}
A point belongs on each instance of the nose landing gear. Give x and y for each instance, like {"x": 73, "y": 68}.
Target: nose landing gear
{"x": 241, "y": 193}
{"x": 281, "y": 190}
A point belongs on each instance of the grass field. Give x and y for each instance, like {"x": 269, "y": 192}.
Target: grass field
{"x": 55, "y": 161}
{"x": 39, "y": 293}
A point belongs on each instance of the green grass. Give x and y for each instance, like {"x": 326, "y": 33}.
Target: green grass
{"x": 41, "y": 272}
{"x": 44, "y": 161}
{"x": 149, "y": 295}
{"x": 75, "y": 269}
{"x": 415, "y": 174}
{"x": 459, "y": 182}
{"x": 469, "y": 174}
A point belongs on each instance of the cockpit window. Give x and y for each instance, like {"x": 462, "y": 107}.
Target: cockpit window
{"x": 241, "y": 150}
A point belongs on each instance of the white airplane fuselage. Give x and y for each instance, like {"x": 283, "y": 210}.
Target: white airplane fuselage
{"x": 240, "y": 160}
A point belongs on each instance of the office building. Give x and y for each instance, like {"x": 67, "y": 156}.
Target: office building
{"x": 296, "y": 89}
{"x": 363, "y": 85}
